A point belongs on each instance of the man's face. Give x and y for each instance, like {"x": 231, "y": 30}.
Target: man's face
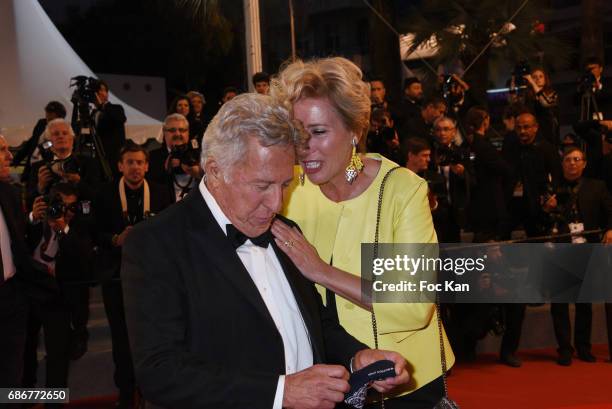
{"x": 70, "y": 202}
{"x": 228, "y": 96}
{"x": 253, "y": 192}
{"x": 377, "y": 92}
{"x": 526, "y": 128}
{"x": 573, "y": 165}
{"x": 133, "y": 167}
{"x": 5, "y": 160}
{"x": 176, "y": 132}
{"x": 197, "y": 104}
{"x": 420, "y": 161}
{"x": 595, "y": 69}
{"x": 102, "y": 94}
{"x": 60, "y": 136}
{"x": 414, "y": 91}
{"x": 262, "y": 87}
{"x": 445, "y": 132}
{"x": 432, "y": 112}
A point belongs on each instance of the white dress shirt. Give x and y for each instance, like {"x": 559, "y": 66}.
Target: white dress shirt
{"x": 268, "y": 276}
{"x": 5, "y": 245}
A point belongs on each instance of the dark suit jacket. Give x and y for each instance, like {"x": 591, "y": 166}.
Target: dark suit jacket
{"x": 157, "y": 171}
{"x": 595, "y": 204}
{"x": 200, "y": 332}
{"x": 110, "y": 126}
{"x": 110, "y": 220}
{"x": 31, "y": 276}
{"x": 488, "y": 210}
{"x": 28, "y": 148}
{"x": 73, "y": 259}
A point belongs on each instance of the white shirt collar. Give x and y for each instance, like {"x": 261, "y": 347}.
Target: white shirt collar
{"x": 212, "y": 204}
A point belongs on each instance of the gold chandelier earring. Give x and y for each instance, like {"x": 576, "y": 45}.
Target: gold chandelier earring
{"x": 355, "y": 166}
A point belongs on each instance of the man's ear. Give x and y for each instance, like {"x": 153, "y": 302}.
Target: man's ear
{"x": 213, "y": 172}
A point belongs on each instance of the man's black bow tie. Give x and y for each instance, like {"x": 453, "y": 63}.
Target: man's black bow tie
{"x": 237, "y": 238}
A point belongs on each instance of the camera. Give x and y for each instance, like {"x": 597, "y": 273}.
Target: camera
{"x": 56, "y": 208}
{"x": 520, "y": 70}
{"x": 452, "y": 156}
{"x": 188, "y": 154}
{"x": 585, "y": 82}
{"x": 85, "y": 91}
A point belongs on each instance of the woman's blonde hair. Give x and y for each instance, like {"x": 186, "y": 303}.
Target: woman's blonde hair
{"x": 337, "y": 79}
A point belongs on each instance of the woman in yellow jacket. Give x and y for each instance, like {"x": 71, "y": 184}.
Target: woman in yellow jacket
{"x": 335, "y": 207}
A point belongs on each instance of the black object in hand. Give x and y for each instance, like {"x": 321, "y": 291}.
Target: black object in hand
{"x": 360, "y": 381}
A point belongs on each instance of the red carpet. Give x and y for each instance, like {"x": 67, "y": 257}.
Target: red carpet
{"x": 539, "y": 384}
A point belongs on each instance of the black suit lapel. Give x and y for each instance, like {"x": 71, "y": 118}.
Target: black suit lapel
{"x": 302, "y": 292}
{"x": 208, "y": 244}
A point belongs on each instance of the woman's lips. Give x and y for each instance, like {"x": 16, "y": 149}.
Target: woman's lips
{"x": 311, "y": 166}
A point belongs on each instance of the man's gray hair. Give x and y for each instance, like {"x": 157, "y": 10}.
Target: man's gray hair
{"x": 175, "y": 117}
{"x": 248, "y": 115}
{"x": 444, "y": 119}
{"x": 56, "y": 121}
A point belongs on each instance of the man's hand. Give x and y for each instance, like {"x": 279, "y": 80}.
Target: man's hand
{"x": 366, "y": 357}
{"x": 320, "y": 386}
{"x": 607, "y": 237}
{"x": 45, "y": 177}
{"x": 121, "y": 238}
{"x": 457, "y": 169}
{"x": 193, "y": 171}
{"x": 550, "y": 204}
{"x": 57, "y": 225}
{"x": 39, "y": 209}
{"x": 72, "y": 177}
{"x": 607, "y": 124}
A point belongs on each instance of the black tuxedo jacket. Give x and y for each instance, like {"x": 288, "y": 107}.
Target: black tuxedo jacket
{"x": 30, "y": 275}
{"x": 595, "y": 204}
{"x": 200, "y": 332}
{"x": 157, "y": 171}
{"x": 72, "y": 263}
{"x": 110, "y": 220}
{"x": 110, "y": 126}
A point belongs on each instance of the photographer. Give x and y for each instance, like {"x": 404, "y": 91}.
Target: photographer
{"x": 454, "y": 165}
{"x": 109, "y": 120}
{"x": 581, "y": 204}
{"x": 59, "y": 164}
{"x": 29, "y": 150}
{"x": 543, "y": 101}
{"x": 59, "y": 239}
{"x": 382, "y": 137}
{"x": 536, "y": 167}
{"x": 119, "y": 206}
{"x": 176, "y": 163}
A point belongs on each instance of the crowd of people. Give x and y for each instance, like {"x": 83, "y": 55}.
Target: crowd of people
{"x": 170, "y": 283}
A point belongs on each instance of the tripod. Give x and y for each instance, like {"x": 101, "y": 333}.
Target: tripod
{"x": 89, "y": 143}
{"x": 588, "y": 106}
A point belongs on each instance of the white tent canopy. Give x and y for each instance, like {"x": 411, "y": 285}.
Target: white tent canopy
{"x": 37, "y": 64}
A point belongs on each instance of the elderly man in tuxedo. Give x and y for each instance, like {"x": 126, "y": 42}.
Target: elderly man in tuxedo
{"x": 217, "y": 315}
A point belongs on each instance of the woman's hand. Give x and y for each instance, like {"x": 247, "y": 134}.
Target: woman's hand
{"x": 302, "y": 253}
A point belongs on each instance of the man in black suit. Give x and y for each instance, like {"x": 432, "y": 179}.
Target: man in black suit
{"x": 109, "y": 121}
{"x": 175, "y": 164}
{"x": 119, "y": 206}
{"x": 29, "y": 150}
{"x": 584, "y": 204}
{"x": 14, "y": 261}
{"x": 59, "y": 238}
{"x": 217, "y": 315}
{"x": 421, "y": 125}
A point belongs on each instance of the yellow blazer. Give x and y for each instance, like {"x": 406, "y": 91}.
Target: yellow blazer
{"x": 338, "y": 229}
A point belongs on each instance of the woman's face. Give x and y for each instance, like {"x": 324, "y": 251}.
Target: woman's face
{"x": 182, "y": 107}
{"x": 539, "y": 78}
{"x": 329, "y": 149}
{"x": 197, "y": 104}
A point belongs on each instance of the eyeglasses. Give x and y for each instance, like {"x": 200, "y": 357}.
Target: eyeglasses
{"x": 173, "y": 130}
{"x": 572, "y": 159}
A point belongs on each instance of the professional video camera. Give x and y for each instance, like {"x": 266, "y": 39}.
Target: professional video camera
{"x": 585, "y": 82}
{"x": 87, "y": 141}
{"x": 453, "y": 155}
{"x": 188, "y": 154}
